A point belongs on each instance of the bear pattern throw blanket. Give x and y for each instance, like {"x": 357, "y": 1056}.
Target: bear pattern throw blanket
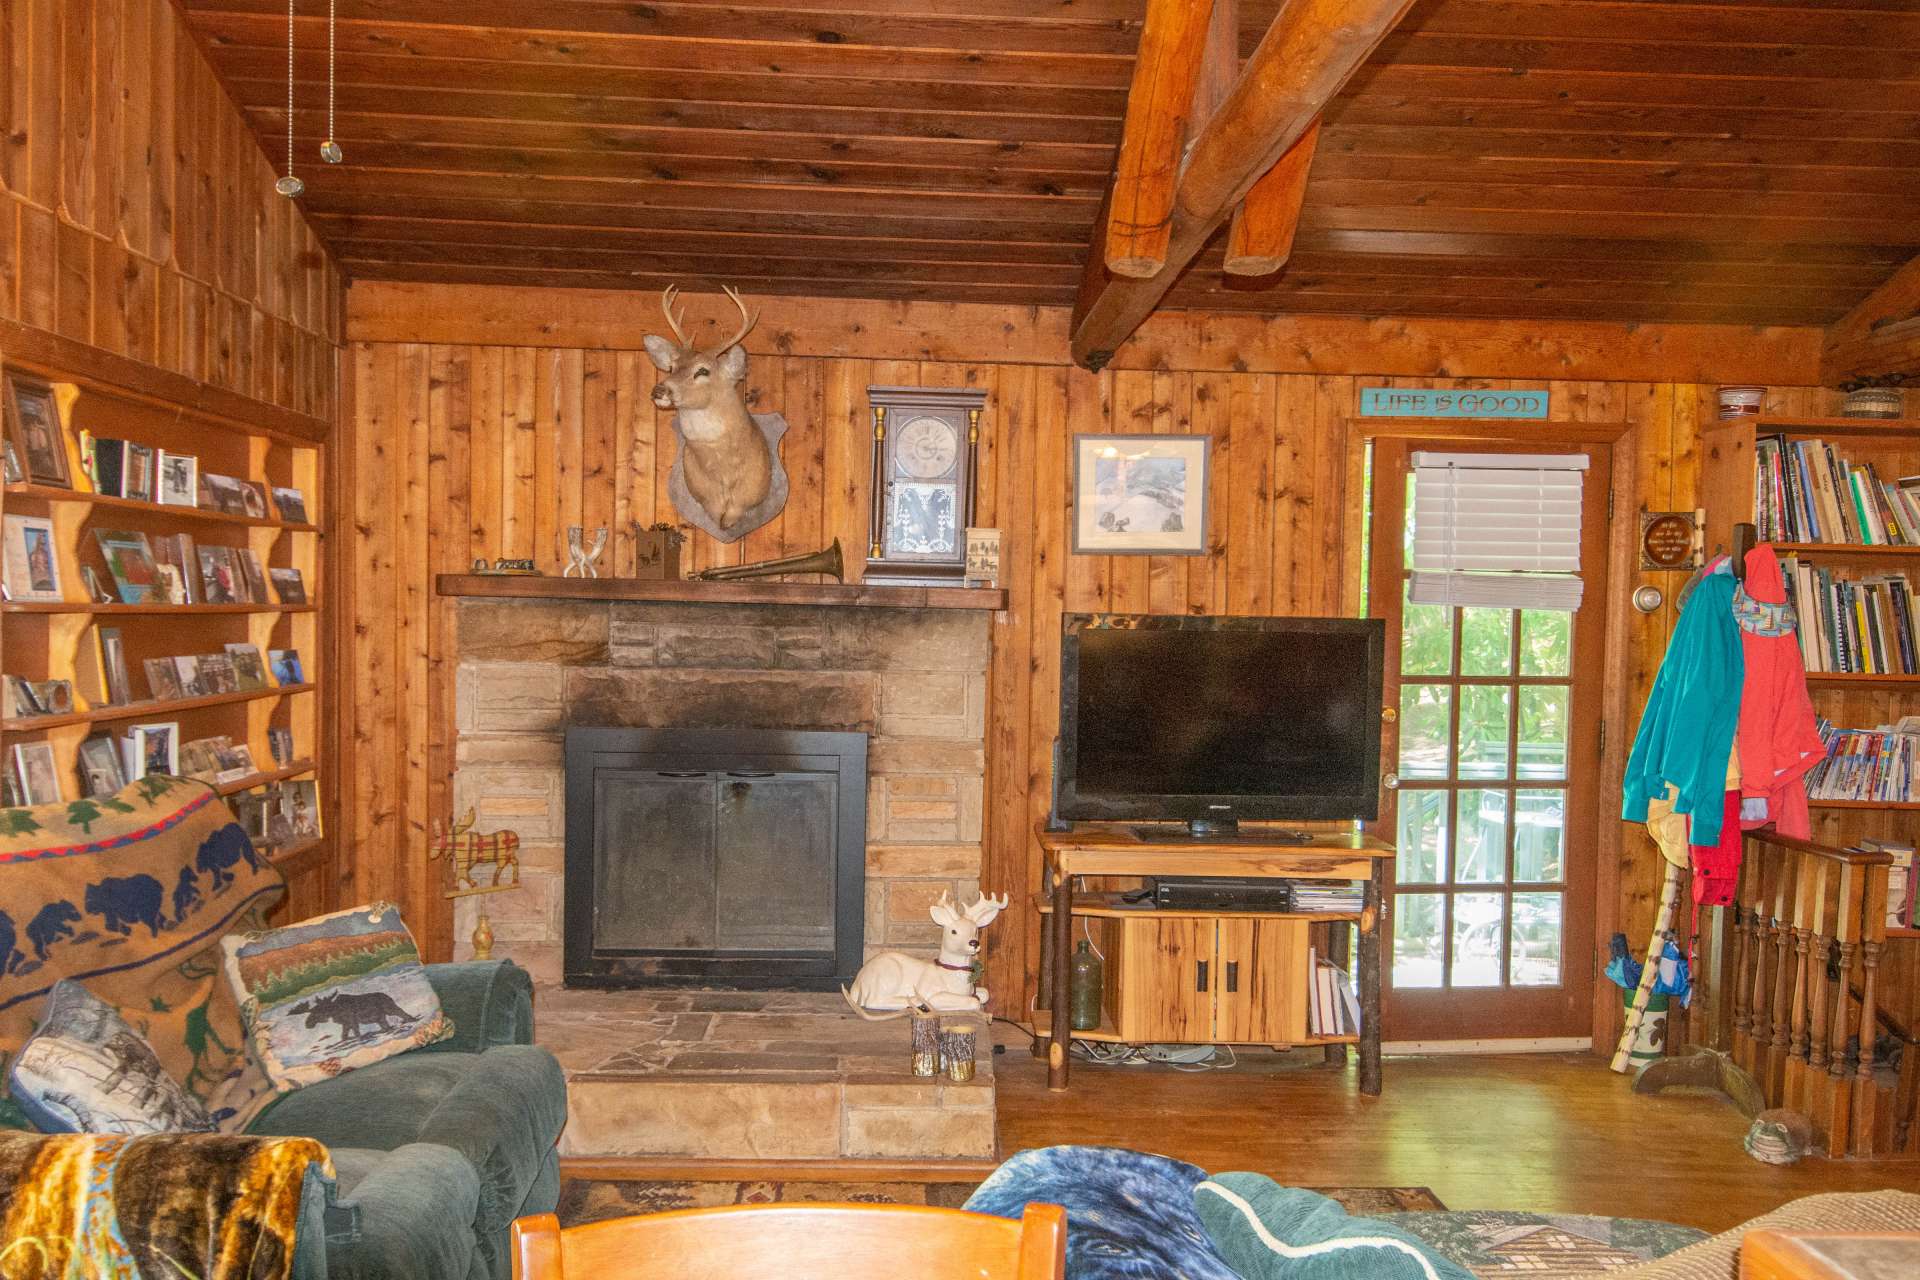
{"x": 206, "y": 1206}
{"x": 129, "y": 896}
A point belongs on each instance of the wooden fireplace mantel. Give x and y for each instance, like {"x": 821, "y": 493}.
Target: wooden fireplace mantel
{"x": 510, "y": 587}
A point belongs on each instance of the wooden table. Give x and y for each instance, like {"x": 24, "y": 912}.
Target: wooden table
{"x": 1114, "y": 849}
{"x": 1829, "y": 1255}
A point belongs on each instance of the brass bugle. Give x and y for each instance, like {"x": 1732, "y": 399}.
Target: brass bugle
{"x": 826, "y": 560}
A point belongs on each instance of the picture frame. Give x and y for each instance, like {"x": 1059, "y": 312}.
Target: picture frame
{"x": 154, "y": 748}
{"x": 35, "y": 775}
{"x": 289, "y": 585}
{"x": 136, "y": 473}
{"x": 177, "y": 479}
{"x": 224, "y": 494}
{"x": 32, "y": 560}
{"x": 163, "y": 680}
{"x": 113, "y": 666}
{"x": 101, "y": 770}
{"x": 249, "y": 671}
{"x": 129, "y": 558}
{"x": 34, "y": 428}
{"x": 280, "y": 745}
{"x": 292, "y": 505}
{"x": 286, "y": 668}
{"x": 1142, "y": 495}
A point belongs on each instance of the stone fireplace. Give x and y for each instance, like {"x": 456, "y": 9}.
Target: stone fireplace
{"x": 912, "y": 679}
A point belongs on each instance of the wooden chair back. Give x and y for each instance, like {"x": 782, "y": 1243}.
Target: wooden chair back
{"x": 797, "y": 1241}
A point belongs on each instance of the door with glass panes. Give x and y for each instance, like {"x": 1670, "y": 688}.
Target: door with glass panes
{"x": 1491, "y": 786}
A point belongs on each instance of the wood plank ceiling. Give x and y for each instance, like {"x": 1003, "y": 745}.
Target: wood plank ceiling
{"x": 1748, "y": 161}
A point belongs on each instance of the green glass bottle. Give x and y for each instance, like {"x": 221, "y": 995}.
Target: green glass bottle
{"x": 1085, "y": 986}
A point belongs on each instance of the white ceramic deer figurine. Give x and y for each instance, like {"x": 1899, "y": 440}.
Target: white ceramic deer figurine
{"x": 727, "y": 462}
{"x": 895, "y": 981}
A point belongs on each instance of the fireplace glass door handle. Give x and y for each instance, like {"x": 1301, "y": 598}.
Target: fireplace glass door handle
{"x": 681, "y": 773}
{"x": 749, "y": 773}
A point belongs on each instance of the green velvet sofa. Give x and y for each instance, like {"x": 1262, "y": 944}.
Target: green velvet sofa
{"x": 439, "y": 1149}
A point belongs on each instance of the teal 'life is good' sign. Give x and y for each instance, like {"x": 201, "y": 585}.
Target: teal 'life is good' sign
{"x": 1421, "y": 402}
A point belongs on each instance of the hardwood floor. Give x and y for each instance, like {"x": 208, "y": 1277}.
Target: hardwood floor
{"x": 1548, "y": 1132}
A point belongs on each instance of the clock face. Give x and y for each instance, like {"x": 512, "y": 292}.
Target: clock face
{"x": 926, "y": 447}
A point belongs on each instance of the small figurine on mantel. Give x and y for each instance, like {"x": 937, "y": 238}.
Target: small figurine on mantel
{"x": 897, "y": 983}
{"x": 469, "y": 856}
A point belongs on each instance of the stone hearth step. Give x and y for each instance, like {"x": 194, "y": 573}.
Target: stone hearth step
{"x": 743, "y": 1075}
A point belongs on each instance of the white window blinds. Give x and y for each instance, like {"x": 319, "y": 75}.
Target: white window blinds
{"x": 1497, "y": 529}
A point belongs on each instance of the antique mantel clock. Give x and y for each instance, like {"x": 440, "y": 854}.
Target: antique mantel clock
{"x": 925, "y": 443}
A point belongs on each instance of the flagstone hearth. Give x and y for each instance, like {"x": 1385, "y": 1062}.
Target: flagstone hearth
{"x": 753, "y": 1075}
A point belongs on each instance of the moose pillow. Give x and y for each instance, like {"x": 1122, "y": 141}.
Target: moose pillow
{"x": 333, "y": 993}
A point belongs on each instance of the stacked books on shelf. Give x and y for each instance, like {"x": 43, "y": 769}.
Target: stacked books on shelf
{"x": 1866, "y": 764}
{"x": 1332, "y": 1009}
{"x": 1345, "y": 896}
{"x": 1864, "y": 624}
{"x": 1805, "y": 491}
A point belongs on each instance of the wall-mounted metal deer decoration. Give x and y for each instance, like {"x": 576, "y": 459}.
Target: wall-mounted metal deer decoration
{"x": 727, "y": 478}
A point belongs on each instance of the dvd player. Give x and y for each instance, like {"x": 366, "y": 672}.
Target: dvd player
{"x": 1222, "y": 893}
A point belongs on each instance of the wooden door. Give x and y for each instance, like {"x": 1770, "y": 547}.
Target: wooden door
{"x": 1260, "y": 995}
{"x": 1492, "y": 786}
{"x": 1167, "y": 981}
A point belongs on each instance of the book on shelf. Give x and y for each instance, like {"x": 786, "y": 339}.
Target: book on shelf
{"x": 1807, "y": 491}
{"x": 1866, "y": 764}
{"x": 1332, "y": 1009}
{"x": 1863, "y": 625}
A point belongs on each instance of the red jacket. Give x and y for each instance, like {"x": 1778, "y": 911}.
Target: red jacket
{"x": 1777, "y": 736}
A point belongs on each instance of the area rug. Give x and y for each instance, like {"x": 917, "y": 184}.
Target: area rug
{"x": 591, "y": 1200}
{"x": 1541, "y": 1246}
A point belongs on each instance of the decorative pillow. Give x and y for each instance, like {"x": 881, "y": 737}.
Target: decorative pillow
{"x": 1269, "y": 1232}
{"x": 86, "y": 1071}
{"x": 333, "y": 993}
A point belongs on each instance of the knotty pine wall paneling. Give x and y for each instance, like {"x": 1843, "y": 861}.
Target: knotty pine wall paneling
{"x": 138, "y": 215}
{"x": 517, "y": 439}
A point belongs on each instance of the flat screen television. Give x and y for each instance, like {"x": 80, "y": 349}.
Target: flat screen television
{"x": 1212, "y": 720}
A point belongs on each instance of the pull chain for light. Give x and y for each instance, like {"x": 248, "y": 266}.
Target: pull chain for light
{"x": 330, "y": 150}
{"x": 289, "y": 186}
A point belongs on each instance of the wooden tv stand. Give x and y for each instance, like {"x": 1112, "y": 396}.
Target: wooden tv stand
{"x": 1182, "y": 972}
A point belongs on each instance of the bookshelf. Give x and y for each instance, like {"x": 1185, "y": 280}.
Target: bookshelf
{"x": 60, "y": 639}
{"x": 1848, "y": 699}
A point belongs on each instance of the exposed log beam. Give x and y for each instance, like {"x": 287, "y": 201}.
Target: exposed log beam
{"x": 1261, "y": 239}
{"x": 1881, "y": 335}
{"x": 1140, "y": 214}
{"x": 1307, "y": 54}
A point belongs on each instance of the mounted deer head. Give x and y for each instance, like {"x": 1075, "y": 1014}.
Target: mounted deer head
{"x": 728, "y": 463}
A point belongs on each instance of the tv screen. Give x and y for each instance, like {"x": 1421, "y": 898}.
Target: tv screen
{"x": 1220, "y": 719}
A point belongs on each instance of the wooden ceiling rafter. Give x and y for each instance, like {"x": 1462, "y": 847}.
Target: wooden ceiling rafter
{"x": 1308, "y": 53}
{"x": 1741, "y": 161}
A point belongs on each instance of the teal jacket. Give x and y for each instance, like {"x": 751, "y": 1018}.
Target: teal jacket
{"x": 1686, "y": 732}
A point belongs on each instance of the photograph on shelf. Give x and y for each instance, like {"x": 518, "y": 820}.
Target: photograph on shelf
{"x": 235, "y": 761}
{"x": 28, "y": 698}
{"x": 179, "y": 479}
{"x": 34, "y": 773}
{"x": 102, "y": 773}
{"x": 301, "y": 801}
{"x": 151, "y": 748}
{"x": 286, "y": 668}
{"x": 280, "y": 745}
{"x": 108, "y": 464}
{"x": 253, "y": 499}
{"x": 219, "y": 580}
{"x": 200, "y": 757}
{"x": 250, "y": 810}
{"x": 249, "y": 671}
{"x": 251, "y": 575}
{"x": 289, "y": 585}
{"x": 179, "y": 567}
{"x": 129, "y": 559}
{"x": 136, "y": 477}
{"x": 223, "y": 493}
{"x": 163, "y": 679}
{"x": 186, "y": 669}
{"x": 113, "y": 666}
{"x": 292, "y": 505}
{"x": 32, "y": 566}
{"x": 33, "y": 425}
{"x": 217, "y": 674}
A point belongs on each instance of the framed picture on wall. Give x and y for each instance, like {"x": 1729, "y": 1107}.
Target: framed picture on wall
{"x": 1140, "y": 495}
